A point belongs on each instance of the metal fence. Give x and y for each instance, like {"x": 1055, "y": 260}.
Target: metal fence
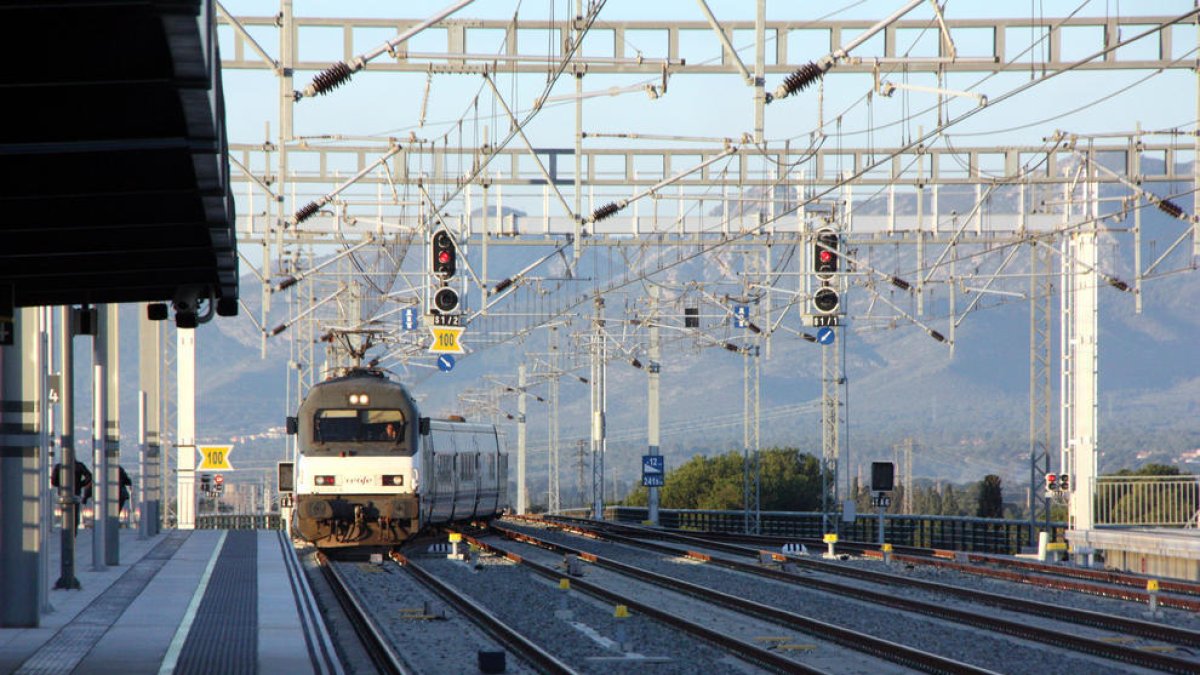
{"x": 1157, "y": 501}
{"x": 256, "y": 521}
{"x": 983, "y": 535}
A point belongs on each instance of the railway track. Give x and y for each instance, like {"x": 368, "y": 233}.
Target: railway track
{"x": 1091, "y": 646}
{"x": 1124, "y": 625}
{"x": 1119, "y": 585}
{"x": 856, "y": 641}
{"x": 537, "y": 656}
{"x": 373, "y": 638}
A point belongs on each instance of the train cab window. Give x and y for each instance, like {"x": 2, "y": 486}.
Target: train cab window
{"x": 379, "y": 428}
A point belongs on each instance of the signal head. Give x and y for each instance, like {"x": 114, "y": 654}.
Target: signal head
{"x": 445, "y": 255}
{"x": 825, "y": 253}
{"x": 445, "y": 300}
{"x": 826, "y": 300}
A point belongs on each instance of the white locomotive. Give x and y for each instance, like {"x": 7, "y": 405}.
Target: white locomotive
{"x": 372, "y": 472}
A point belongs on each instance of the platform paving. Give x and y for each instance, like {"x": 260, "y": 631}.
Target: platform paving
{"x": 202, "y": 601}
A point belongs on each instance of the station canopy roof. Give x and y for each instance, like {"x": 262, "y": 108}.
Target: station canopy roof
{"x": 115, "y": 183}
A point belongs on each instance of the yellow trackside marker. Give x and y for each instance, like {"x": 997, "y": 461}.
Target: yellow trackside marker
{"x": 446, "y": 340}
{"x": 1117, "y": 639}
{"x": 887, "y": 548}
{"x": 455, "y": 537}
{"x": 621, "y": 612}
{"x": 1056, "y": 546}
{"x": 830, "y": 538}
{"x": 564, "y": 584}
{"x": 795, "y": 648}
{"x": 215, "y": 457}
{"x": 1160, "y": 649}
{"x": 1152, "y": 585}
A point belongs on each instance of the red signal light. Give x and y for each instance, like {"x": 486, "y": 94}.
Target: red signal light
{"x": 443, "y": 257}
{"x": 826, "y": 256}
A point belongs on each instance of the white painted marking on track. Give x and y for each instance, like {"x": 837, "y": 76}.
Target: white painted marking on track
{"x": 172, "y": 658}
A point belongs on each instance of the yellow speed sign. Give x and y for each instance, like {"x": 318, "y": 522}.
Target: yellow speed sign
{"x": 446, "y": 340}
{"x": 215, "y": 457}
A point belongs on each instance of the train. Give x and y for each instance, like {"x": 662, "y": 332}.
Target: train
{"x": 371, "y": 472}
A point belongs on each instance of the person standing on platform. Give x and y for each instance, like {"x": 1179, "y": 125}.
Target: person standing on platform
{"x": 83, "y": 485}
{"x": 125, "y": 483}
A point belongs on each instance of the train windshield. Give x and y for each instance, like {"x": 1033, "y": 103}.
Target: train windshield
{"x": 359, "y": 426}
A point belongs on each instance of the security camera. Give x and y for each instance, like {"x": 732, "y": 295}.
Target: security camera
{"x": 194, "y": 305}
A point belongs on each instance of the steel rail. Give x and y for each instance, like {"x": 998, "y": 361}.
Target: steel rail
{"x": 378, "y": 647}
{"x": 860, "y": 642}
{"x": 1120, "y": 586}
{"x": 1083, "y": 644}
{"x": 490, "y": 623}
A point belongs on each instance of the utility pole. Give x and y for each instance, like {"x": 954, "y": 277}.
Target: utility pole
{"x": 830, "y": 426}
{"x": 1040, "y": 405}
{"x": 554, "y": 496}
{"x": 599, "y": 368}
{"x": 653, "y": 422}
{"x": 522, "y": 494}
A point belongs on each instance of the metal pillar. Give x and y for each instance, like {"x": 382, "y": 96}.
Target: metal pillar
{"x": 185, "y": 387}
{"x": 1041, "y": 289}
{"x": 745, "y": 440}
{"x": 149, "y": 424}
{"x": 68, "y": 502}
{"x": 100, "y": 478}
{"x": 653, "y": 421}
{"x": 522, "y": 495}
{"x": 554, "y": 497}
{"x": 21, "y": 474}
{"x": 111, "y": 332}
{"x": 598, "y": 410}
{"x": 830, "y": 426}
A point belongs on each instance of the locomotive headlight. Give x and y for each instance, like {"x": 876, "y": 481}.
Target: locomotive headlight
{"x": 393, "y": 480}
{"x": 323, "y": 480}
{"x": 359, "y": 399}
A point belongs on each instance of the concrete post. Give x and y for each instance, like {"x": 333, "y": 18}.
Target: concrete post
{"x": 112, "y": 432}
{"x": 150, "y": 425}
{"x": 67, "y": 500}
{"x": 100, "y": 476}
{"x": 21, "y": 475}
{"x": 185, "y": 382}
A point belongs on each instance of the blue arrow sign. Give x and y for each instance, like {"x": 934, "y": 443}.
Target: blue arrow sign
{"x": 825, "y": 336}
{"x": 445, "y": 363}
{"x": 408, "y": 318}
{"x": 741, "y": 315}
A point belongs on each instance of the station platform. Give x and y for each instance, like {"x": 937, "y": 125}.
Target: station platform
{"x": 1164, "y": 552}
{"x": 199, "y": 601}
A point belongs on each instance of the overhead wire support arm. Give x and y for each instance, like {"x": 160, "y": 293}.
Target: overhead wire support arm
{"x": 337, "y": 74}
{"x": 1162, "y": 203}
{"x": 293, "y": 279}
{"x": 310, "y": 209}
{"x": 729, "y": 49}
{"x": 1110, "y": 279}
{"x": 612, "y": 208}
{"x": 812, "y": 71}
{"x": 245, "y": 35}
{"x": 311, "y": 308}
{"x": 533, "y": 153}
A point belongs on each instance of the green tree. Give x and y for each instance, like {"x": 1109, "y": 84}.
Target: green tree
{"x": 790, "y": 481}
{"x": 991, "y": 498}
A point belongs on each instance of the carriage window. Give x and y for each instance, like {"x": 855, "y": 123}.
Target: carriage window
{"x": 358, "y": 426}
